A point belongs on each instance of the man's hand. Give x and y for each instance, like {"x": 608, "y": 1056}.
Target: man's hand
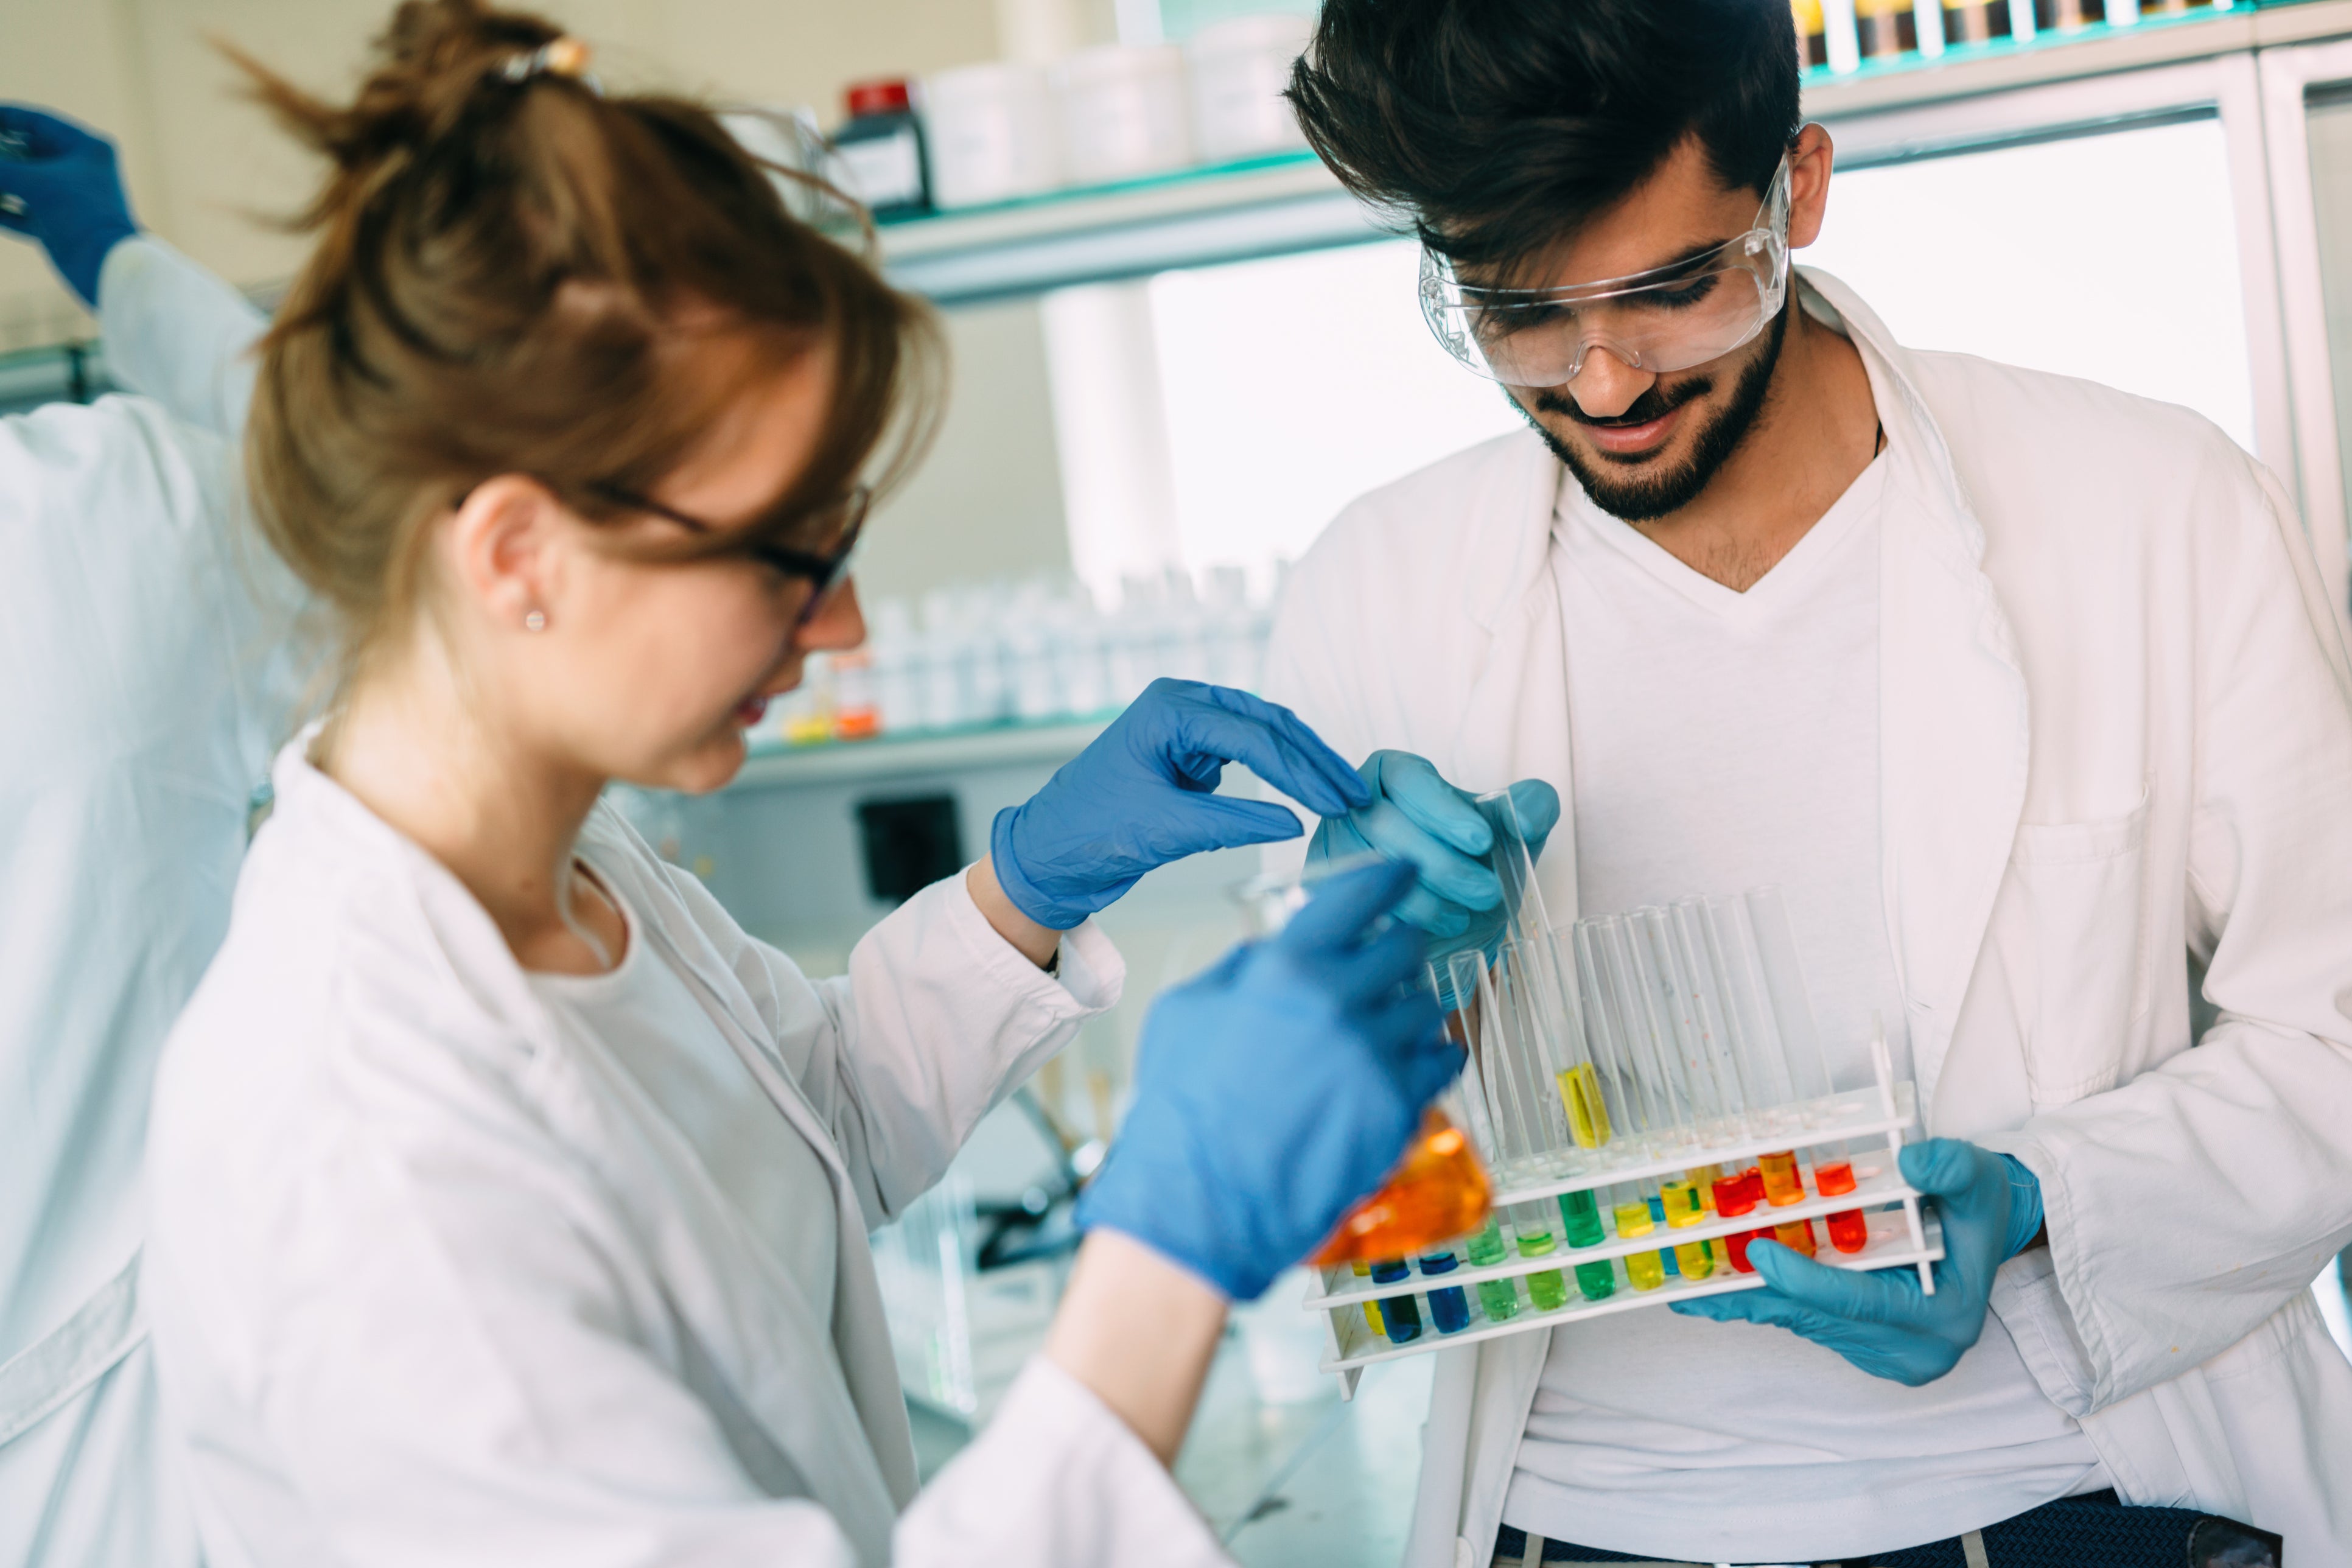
{"x": 1882, "y": 1322}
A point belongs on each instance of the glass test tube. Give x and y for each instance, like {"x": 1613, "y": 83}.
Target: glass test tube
{"x": 1400, "y": 1315}
{"x": 1372, "y": 1308}
{"x": 1499, "y": 1299}
{"x": 1630, "y": 1206}
{"x": 1735, "y": 1196}
{"x": 1449, "y": 1307}
{"x": 1549, "y": 1290}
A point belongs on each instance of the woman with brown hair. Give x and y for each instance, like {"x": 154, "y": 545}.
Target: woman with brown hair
{"x": 509, "y": 1202}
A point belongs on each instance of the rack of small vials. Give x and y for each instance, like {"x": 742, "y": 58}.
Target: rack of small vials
{"x": 1649, "y": 1096}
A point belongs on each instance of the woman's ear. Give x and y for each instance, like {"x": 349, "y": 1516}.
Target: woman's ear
{"x": 1809, "y": 184}
{"x": 503, "y": 551}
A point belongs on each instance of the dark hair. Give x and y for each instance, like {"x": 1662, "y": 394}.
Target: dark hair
{"x": 1495, "y": 126}
{"x": 511, "y": 270}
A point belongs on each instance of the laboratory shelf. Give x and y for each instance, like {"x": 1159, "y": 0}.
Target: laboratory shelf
{"x": 777, "y": 766}
{"x": 1340, "y": 1286}
{"x": 1354, "y": 1346}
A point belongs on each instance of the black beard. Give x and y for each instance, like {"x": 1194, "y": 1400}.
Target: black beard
{"x": 1653, "y": 495}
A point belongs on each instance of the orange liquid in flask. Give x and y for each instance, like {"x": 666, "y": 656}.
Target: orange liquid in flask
{"x": 1438, "y": 1192}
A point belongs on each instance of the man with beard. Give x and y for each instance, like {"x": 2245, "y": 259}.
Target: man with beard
{"x": 2020, "y": 688}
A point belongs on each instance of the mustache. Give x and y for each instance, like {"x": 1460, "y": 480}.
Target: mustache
{"x": 1654, "y": 403}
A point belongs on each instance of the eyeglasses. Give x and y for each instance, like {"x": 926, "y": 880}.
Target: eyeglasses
{"x": 823, "y": 574}
{"x": 1670, "y": 318}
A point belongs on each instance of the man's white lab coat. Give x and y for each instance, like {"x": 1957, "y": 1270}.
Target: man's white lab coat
{"x": 143, "y": 684}
{"x": 434, "y": 1281}
{"x": 2115, "y": 720}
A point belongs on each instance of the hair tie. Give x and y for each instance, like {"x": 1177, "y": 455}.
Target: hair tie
{"x": 566, "y": 57}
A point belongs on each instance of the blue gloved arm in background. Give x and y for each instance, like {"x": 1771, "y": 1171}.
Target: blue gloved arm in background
{"x": 1276, "y": 1089}
{"x": 1144, "y": 793}
{"x": 1414, "y": 815}
{"x": 1991, "y": 1205}
{"x": 59, "y": 184}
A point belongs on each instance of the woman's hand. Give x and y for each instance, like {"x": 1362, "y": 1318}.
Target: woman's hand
{"x": 1276, "y": 1089}
{"x": 1144, "y": 794}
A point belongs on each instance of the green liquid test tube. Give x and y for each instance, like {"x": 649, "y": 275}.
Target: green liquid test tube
{"x": 1596, "y": 1281}
{"x": 1581, "y": 1219}
{"x": 1549, "y": 1290}
{"x": 1500, "y": 1298}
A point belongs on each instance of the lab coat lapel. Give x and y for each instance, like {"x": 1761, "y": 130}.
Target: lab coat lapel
{"x": 1952, "y": 706}
{"x": 860, "y": 1332}
{"x": 1513, "y": 720}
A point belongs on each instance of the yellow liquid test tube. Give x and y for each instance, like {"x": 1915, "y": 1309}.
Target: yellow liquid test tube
{"x": 1643, "y": 1270}
{"x": 1372, "y": 1308}
{"x": 1587, "y": 1114}
{"x": 1684, "y": 1207}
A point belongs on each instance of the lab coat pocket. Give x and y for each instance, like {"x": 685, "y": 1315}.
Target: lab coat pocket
{"x": 2083, "y": 881}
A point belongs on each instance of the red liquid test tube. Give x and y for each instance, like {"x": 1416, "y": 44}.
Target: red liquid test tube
{"x": 1849, "y": 1232}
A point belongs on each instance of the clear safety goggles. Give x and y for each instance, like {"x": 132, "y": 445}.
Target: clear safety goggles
{"x": 1668, "y": 319}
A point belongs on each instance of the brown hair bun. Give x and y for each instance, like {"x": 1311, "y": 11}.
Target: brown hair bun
{"x": 508, "y": 260}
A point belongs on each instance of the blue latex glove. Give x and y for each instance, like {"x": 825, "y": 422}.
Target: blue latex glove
{"x": 1882, "y": 1322}
{"x": 1416, "y": 815}
{"x": 1276, "y": 1089}
{"x": 59, "y": 184}
{"x": 1142, "y": 796}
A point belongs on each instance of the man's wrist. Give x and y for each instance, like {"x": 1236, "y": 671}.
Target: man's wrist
{"x": 1040, "y": 945}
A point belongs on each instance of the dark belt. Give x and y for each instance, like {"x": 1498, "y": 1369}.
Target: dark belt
{"x": 2094, "y": 1530}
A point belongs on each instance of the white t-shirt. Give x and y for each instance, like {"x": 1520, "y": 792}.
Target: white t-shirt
{"x": 644, "y": 1013}
{"x": 1722, "y": 740}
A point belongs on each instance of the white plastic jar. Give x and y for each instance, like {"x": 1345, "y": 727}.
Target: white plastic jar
{"x": 1239, "y": 69}
{"x": 1123, "y": 112}
{"x": 992, "y": 135}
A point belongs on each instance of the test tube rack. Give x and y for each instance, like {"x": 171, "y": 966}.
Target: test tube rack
{"x": 1900, "y": 1234}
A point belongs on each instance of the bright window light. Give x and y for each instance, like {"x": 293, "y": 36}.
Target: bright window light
{"x": 2113, "y": 257}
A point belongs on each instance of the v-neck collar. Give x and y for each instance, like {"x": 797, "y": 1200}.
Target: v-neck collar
{"x": 1791, "y": 579}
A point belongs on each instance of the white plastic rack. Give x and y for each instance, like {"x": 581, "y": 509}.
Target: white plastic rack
{"x": 1900, "y": 1234}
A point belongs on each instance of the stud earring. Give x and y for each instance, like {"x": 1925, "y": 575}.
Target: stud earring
{"x": 535, "y": 621}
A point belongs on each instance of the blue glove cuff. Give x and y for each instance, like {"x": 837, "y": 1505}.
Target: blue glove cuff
{"x": 1028, "y": 897}
{"x": 2024, "y": 1205}
{"x": 81, "y": 259}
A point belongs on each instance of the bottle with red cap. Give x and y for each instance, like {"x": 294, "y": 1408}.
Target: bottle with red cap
{"x": 878, "y": 151}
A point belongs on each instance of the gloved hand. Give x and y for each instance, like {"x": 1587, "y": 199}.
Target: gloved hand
{"x": 1276, "y": 1089}
{"x": 59, "y": 184}
{"x": 1882, "y": 1322}
{"x": 1142, "y": 794}
{"x": 1416, "y": 815}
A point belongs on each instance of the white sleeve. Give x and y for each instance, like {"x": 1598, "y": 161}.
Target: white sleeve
{"x": 938, "y": 1019}
{"x": 177, "y": 333}
{"x": 1054, "y": 1482}
{"x": 2189, "y": 1205}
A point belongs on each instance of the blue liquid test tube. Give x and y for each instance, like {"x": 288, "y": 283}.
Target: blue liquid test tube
{"x": 1398, "y": 1315}
{"x": 1449, "y": 1308}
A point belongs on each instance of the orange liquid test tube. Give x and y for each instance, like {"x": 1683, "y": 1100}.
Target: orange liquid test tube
{"x": 1797, "y": 1236}
{"x": 1849, "y": 1231}
{"x": 1438, "y": 1192}
{"x": 1782, "y": 1185}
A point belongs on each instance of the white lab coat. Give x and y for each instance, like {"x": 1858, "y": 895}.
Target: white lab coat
{"x": 141, "y": 691}
{"x": 434, "y": 1281}
{"x": 2115, "y": 722}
